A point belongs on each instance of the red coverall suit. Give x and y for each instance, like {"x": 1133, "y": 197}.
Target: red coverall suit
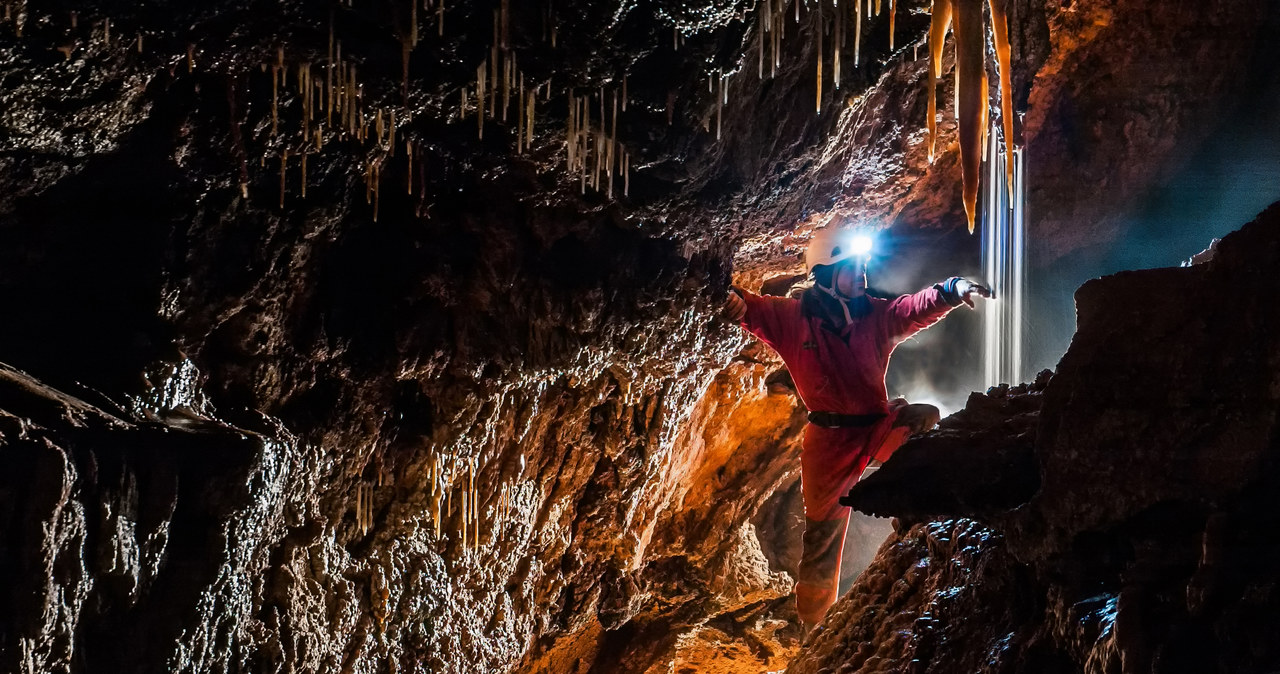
{"x": 839, "y": 372}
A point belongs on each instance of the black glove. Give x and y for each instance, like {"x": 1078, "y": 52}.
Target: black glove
{"x": 957, "y": 289}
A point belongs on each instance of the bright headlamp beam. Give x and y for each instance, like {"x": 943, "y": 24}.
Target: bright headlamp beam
{"x": 860, "y": 244}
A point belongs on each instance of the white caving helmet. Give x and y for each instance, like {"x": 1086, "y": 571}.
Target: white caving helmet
{"x": 834, "y": 244}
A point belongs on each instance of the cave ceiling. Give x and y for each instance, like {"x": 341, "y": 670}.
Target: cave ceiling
{"x": 213, "y": 224}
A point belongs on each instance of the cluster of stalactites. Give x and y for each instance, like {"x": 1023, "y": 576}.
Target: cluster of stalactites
{"x": 831, "y": 15}
{"x": 332, "y": 105}
{"x": 456, "y": 473}
{"x": 594, "y": 152}
{"x": 964, "y": 18}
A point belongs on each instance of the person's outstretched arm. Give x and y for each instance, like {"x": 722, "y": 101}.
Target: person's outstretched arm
{"x": 761, "y": 316}
{"x": 910, "y": 314}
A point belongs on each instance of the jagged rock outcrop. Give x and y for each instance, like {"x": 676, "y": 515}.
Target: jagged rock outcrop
{"x": 1149, "y": 543}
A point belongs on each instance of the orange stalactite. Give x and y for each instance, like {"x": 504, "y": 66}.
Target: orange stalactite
{"x": 940, "y": 22}
{"x": 1000, "y": 31}
{"x": 893, "y": 14}
{"x": 971, "y": 97}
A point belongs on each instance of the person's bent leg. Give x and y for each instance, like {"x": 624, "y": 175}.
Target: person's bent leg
{"x": 830, "y": 464}
{"x": 917, "y": 418}
{"x": 818, "y": 581}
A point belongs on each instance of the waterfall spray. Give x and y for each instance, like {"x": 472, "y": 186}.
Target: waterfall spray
{"x": 1004, "y": 247}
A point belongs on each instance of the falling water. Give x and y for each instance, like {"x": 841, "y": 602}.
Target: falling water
{"x": 1004, "y": 247}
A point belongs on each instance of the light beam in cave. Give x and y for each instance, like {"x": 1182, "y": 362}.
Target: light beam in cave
{"x": 1004, "y": 247}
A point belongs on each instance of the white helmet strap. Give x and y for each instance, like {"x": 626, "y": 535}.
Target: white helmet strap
{"x": 844, "y": 303}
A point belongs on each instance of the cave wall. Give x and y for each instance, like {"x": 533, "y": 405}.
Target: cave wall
{"x": 241, "y": 419}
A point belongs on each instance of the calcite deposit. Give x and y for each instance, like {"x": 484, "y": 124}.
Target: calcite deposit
{"x": 318, "y": 360}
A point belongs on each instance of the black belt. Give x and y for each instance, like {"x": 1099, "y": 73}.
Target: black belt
{"x": 833, "y": 420}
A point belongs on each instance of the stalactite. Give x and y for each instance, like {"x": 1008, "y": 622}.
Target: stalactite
{"x": 440, "y": 18}
{"x": 971, "y": 96}
{"x": 1000, "y": 31}
{"x": 466, "y": 518}
{"x": 377, "y": 185}
{"x": 191, "y": 58}
{"x": 379, "y": 128}
{"x": 760, "y": 33}
{"x": 74, "y": 20}
{"x": 626, "y": 174}
{"x": 893, "y": 14}
{"x": 520, "y": 118}
{"x": 360, "y": 505}
{"x": 139, "y": 42}
{"x": 408, "y": 150}
{"x": 391, "y": 134}
{"x": 284, "y": 162}
{"x": 275, "y": 86}
{"x": 939, "y": 23}
{"x": 838, "y": 38}
{"x": 571, "y": 133}
{"x": 531, "y": 110}
{"x": 818, "y": 29}
{"x": 106, "y": 31}
{"x": 462, "y": 103}
{"x": 719, "y": 106}
{"x": 857, "y": 32}
{"x": 481, "y": 74}
{"x": 413, "y": 23}
{"x": 304, "y": 174}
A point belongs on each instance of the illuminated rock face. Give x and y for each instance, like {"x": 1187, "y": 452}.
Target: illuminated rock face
{"x": 1147, "y": 542}
{"x": 375, "y": 393}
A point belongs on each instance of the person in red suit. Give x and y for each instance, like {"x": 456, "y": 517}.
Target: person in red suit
{"x": 836, "y": 341}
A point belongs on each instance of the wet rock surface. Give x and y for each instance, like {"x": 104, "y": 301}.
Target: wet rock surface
{"x": 1146, "y": 544}
{"x": 420, "y": 401}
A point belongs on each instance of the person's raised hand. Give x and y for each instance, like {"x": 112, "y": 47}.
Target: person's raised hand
{"x": 966, "y": 289}
{"x": 734, "y": 307}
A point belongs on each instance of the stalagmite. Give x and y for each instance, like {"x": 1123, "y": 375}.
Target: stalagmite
{"x": 1000, "y": 31}
{"x": 939, "y": 23}
{"x": 971, "y": 96}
